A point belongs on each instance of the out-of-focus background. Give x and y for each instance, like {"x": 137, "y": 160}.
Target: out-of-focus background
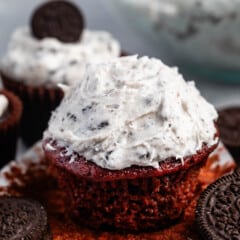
{"x": 104, "y": 14}
{"x": 98, "y": 14}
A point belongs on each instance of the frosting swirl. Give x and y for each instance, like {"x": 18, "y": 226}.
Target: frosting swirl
{"x": 133, "y": 111}
{"x": 49, "y": 61}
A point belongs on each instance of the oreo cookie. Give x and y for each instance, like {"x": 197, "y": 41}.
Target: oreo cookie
{"x": 218, "y": 209}
{"x": 229, "y": 128}
{"x": 23, "y": 219}
{"x": 58, "y": 19}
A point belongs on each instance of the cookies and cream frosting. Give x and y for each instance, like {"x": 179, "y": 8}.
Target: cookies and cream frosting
{"x": 49, "y": 61}
{"x": 3, "y": 105}
{"x": 133, "y": 111}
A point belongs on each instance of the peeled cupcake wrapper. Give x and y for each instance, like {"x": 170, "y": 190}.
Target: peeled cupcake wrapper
{"x": 9, "y": 128}
{"x": 38, "y": 102}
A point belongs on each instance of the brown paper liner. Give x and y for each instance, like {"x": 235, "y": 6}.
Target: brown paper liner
{"x": 9, "y": 128}
{"x": 38, "y": 103}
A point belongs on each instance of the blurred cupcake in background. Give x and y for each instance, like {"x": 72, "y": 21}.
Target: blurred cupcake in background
{"x": 10, "y": 115}
{"x": 54, "y": 50}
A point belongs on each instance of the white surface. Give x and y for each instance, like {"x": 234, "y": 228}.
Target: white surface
{"x": 98, "y": 16}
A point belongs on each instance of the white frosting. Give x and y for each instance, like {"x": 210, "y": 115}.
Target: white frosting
{"x": 133, "y": 111}
{"x": 3, "y": 104}
{"x": 205, "y": 32}
{"x": 50, "y": 61}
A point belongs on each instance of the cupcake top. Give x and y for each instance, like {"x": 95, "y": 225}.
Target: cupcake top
{"x": 3, "y": 105}
{"x": 49, "y": 61}
{"x": 133, "y": 111}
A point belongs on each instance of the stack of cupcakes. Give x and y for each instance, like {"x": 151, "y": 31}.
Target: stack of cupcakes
{"x": 55, "y": 50}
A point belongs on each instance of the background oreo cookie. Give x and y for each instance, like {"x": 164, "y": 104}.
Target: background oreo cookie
{"x": 22, "y": 218}
{"x": 58, "y": 19}
{"x": 218, "y": 209}
{"x": 229, "y": 128}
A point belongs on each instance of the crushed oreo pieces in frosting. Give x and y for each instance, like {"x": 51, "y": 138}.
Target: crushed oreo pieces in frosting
{"x": 138, "y": 110}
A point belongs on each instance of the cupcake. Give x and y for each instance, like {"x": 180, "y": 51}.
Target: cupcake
{"x": 128, "y": 142}
{"x": 10, "y": 114}
{"x": 40, "y": 57}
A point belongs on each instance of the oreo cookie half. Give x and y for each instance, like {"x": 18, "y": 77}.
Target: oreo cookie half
{"x": 23, "y": 219}
{"x": 229, "y": 128}
{"x": 218, "y": 209}
{"x": 58, "y": 19}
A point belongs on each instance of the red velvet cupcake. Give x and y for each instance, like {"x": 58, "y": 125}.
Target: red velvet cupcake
{"x": 10, "y": 115}
{"x": 41, "y": 57}
{"x": 128, "y": 143}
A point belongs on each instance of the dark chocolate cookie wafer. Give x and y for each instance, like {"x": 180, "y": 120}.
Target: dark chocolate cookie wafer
{"x": 218, "y": 209}
{"x": 229, "y": 127}
{"x": 58, "y": 19}
{"x": 23, "y": 219}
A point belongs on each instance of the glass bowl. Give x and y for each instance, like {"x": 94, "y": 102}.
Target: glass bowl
{"x": 201, "y": 37}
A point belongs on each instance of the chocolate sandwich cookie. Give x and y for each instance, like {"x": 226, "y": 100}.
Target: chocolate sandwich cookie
{"x": 58, "y": 19}
{"x": 229, "y": 127}
{"x": 218, "y": 209}
{"x": 23, "y": 219}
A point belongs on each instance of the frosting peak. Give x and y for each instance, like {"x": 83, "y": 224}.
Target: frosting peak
{"x": 133, "y": 111}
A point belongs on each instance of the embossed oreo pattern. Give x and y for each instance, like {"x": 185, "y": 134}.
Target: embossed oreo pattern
{"x": 22, "y": 219}
{"x": 58, "y": 19}
{"x": 218, "y": 209}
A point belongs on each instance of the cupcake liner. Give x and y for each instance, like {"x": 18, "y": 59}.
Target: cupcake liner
{"x": 135, "y": 198}
{"x": 38, "y": 102}
{"x": 9, "y": 128}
